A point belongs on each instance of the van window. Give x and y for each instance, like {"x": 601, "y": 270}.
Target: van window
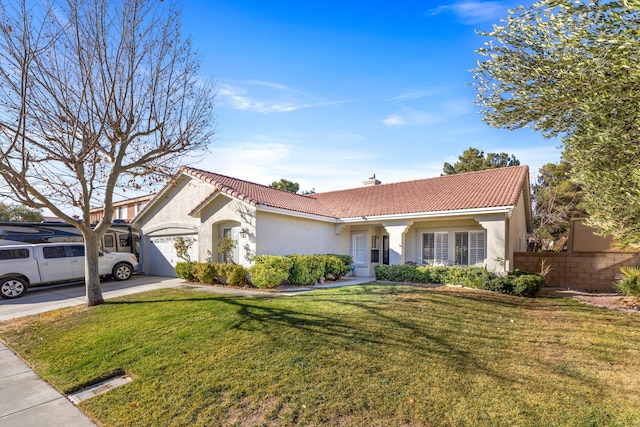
{"x": 123, "y": 240}
{"x": 14, "y": 253}
{"x": 109, "y": 241}
{"x": 54, "y": 252}
{"x": 77, "y": 250}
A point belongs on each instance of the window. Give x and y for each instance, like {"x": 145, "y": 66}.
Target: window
{"x": 54, "y": 252}
{"x": 435, "y": 248}
{"x": 76, "y": 250}
{"x": 123, "y": 241}
{"x": 6, "y": 254}
{"x": 109, "y": 241}
{"x": 359, "y": 248}
{"x": 470, "y": 248}
{"x": 375, "y": 248}
{"x": 233, "y": 255}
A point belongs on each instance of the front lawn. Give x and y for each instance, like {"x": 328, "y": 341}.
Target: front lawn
{"x": 369, "y": 355}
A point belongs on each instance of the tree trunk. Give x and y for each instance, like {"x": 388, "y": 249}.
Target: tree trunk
{"x": 91, "y": 270}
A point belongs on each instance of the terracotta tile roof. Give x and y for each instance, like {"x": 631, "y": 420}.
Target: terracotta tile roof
{"x": 484, "y": 189}
{"x": 257, "y": 194}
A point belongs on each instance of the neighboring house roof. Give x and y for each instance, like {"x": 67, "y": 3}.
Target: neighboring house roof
{"x": 493, "y": 188}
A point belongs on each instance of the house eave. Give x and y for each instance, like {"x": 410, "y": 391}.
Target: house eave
{"x": 296, "y": 214}
{"x": 507, "y": 210}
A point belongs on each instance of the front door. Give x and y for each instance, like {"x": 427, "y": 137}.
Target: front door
{"x": 385, "y": 250}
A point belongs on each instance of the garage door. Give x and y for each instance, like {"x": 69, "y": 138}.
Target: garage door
{"x": 162, "y": 255}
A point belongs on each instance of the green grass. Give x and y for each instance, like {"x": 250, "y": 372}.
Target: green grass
{"x": 367, "y": 355}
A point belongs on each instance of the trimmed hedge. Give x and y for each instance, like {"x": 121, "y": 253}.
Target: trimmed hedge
{"x": 231, "y": 274}
{"x": 337, "y": 266}
{"x": 298, "y": 269}
{"x": 184, "y": 270}
{"x": 270, "y": 271}
{"x": 205, "y": 272}
{"x": 515, "y": 283}
{"x": 212, "y": 272}
{"x": 307, "y": 269}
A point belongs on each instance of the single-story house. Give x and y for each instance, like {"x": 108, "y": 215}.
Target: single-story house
{"x": 476, "y": 218}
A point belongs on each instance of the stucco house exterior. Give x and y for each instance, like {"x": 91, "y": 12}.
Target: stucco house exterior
{"x": 476, "y": 218}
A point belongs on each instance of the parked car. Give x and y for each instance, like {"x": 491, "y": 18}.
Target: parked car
{"x": 23, "y": 266}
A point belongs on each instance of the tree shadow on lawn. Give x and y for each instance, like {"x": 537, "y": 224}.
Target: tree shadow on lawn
{"x": 433, "y": 325}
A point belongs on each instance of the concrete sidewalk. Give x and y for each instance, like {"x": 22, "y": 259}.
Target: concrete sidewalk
{"x": 27, "y": 400}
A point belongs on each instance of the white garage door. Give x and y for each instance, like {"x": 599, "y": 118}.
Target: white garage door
{"x": 162, "y": 255}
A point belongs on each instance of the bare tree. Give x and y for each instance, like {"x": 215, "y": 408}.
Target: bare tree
{"x": 95, "y": 97}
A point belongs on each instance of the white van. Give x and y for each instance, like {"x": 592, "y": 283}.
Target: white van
{"x": 22, "y": 266}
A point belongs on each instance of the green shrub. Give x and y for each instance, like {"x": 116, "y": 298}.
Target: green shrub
{"x": 236, "y": 275}
{"x": 527, "y": 285}
{"x": 231, "y": 274}
{"x": 306, "y": 269}
{"x": 402, "y": 273}
{"x": 439, "y": 274}
{"x": 205, "y": 272}
{"x": 499, "y": 284}
{"x": 270, "y": 270}
{"x": 516, "y": 283}
{"x": 347, "y": 260}
{"x": 184, "y": 270}
{"x": 337, "y": 266}
{"x": 628, "y": 281}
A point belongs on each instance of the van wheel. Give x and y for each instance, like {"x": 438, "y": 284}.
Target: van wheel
{"x": 12, "y": 287}
{"x": 122, "y": 271}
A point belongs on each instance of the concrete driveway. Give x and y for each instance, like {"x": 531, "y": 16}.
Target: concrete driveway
{"x": 47, "y": 298}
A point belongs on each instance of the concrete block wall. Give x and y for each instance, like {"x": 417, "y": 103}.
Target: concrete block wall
{"x": 592, "y": 271}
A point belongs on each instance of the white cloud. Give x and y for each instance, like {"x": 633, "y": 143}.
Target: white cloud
{"x": 473, "y": 11}
{"x": 417, "y": 94}
{"x": 412, "y": 117}
{"x": 394, "y": 121}
{"x": 266, "y": 97}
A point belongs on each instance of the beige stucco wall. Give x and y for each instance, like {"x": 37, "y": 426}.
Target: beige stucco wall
{"x": 171, "y": 211}
{"x": 225, "y": 212}
{"x": 282, "y": 235}
{"x": 582, "y": 238}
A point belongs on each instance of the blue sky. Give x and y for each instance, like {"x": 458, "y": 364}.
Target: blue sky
{"x": 327, "y": 93}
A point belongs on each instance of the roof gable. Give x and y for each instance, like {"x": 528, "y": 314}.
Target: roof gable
{"x": 500, "y": 187}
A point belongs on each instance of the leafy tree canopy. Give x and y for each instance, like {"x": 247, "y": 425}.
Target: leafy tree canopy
{"x": 473, "y": 159}
{"x": 286, "y": 185}
{"x": 557, "y": 201}
{"x": 16, "y": 213}
{"x": 572, "y": 69}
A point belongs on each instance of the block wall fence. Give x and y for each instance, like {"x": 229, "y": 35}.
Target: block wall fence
{"x": 592, "y": 271}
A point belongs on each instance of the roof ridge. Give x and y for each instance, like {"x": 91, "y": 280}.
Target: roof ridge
{"x": 268, "y": 187}
{"x": 493, "y": 170}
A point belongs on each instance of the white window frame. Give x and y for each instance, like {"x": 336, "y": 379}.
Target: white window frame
{"x": 234, "y": 233}
{"x": 359, "y": 248}
{"x": 476, "y": 248}
{"x": 440, "y": 248}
